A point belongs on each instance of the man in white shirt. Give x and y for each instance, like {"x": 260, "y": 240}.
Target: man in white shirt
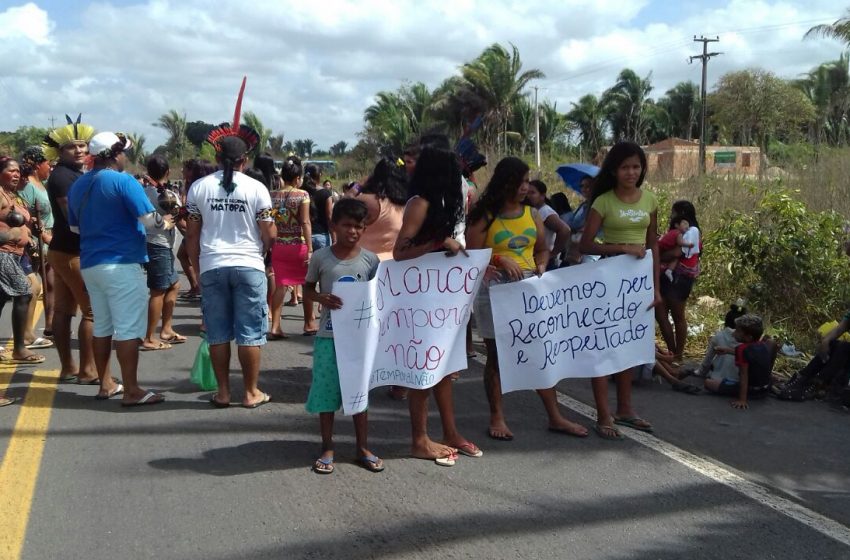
{"x": 230, "y": 229}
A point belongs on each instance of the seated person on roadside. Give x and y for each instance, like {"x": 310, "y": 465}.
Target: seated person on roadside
{"x": 344, "y": 261}
{"x": 828, "y": 371}
{"x": 754, "y": 357}
{"x": 715, "y": 365}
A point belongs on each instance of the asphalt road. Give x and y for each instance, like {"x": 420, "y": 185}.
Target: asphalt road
{"x": 183, "y": 480}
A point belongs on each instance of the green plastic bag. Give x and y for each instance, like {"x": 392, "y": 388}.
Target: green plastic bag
{"x": 202, "y": 373}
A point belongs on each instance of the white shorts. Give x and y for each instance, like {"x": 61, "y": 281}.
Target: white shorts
{"x": 119, "y": 300}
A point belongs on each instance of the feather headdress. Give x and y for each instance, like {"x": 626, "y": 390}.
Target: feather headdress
{"x": 241, "y": 131}
{"x": 72, "y": 132}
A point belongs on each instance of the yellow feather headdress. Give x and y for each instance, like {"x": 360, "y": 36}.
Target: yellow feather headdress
{"x": 68, "y": 134}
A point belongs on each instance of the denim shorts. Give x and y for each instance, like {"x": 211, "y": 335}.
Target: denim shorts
{"x": 119, "y": 300}
{"x": 160, "y": 268}
{"x": 234, "y": 305}
{"x": 320, "y": 241}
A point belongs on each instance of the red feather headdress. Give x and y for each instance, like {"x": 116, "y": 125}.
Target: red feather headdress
{"x": 246, "y": 133}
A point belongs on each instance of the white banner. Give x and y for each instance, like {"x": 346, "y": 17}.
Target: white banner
{"x": 405, "y": 327}
{"x": 581, "y": 321}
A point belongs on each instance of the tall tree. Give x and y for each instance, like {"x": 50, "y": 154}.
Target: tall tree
{"x": 174, "y": 124}
{"x": 625, "y": 102}
{"x": 839, "y": 29}
{"x": 276, "y": 144}
{"x": 554, "y": 126}
{"x": 496, "y": 78}
{"x": 682, "y": 104}
{"x": 755, "y": 106}
{"x": 137, "y": 153}
{"x": 197, "y": 132}
{"x": 338, "y": 149}
{"x": 588, "y": 116}
{"x": 828, "y": 88}
{"x": 251, "y": 119}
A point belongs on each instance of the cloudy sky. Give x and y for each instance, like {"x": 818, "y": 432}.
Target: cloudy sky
{"x": 313, "y": 67}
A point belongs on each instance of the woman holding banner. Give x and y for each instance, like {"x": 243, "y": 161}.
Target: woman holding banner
{"x": 516, "y": 234}
{"x": 628, "y": 217}
{"x": 428, "y": 225}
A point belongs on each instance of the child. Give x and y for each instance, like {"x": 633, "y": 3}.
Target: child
{"x": 721, "y": 366}
{"x": 754, "y": 358}
{"x": 344, "y": 261}
{"x": 681, "y": 235}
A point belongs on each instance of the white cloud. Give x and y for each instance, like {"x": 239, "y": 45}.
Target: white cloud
{"x": 313, "y": 67}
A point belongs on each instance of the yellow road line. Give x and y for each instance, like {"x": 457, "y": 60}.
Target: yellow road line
{"x": 22, "y": 461}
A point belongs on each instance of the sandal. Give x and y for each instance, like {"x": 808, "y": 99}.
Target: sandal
{"x": 607, "y": 432}
{"x": 634, "y": 423}
{"x": 371, "y": 463}
{"x": 31, "y": 359}
{"x": 174, "y": 339}
{"x": 157, "y": 346}
{"x": 149, "y": 398}
{"x": 324, "y": 465}
{"x": 40, "y": 342}
{"x": 6, "y": 401}
{"x": 117, "y": 391}
{"x": 470, "y": 450}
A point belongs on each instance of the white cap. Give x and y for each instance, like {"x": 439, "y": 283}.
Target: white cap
{"x": 108, "y": 144}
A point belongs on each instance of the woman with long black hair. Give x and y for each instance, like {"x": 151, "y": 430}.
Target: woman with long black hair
{"x": 628, "y": 218}
{"x": 517, "y": 235}
{"x": 432, "y": 213}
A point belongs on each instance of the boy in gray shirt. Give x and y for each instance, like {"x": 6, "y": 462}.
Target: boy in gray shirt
{"x": 344, "y": 261}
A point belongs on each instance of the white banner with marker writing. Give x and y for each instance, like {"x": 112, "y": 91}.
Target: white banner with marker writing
{"x": 581, "y": 321}
{"x": 405, "y": 327}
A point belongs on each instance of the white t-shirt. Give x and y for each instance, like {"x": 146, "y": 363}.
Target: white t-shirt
{"x": 545, "y": 211}
{"x": 230, "y": 235}
{"x": 691, "y": 236}
{"x": 460, "y": 227}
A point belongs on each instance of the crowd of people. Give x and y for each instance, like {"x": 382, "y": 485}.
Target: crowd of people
{"x": 84, "y": 236}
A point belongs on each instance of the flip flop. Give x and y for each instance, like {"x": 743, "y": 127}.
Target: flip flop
{"x": 634, "y": 423}
{"x": 159, "y": 346}
{"x": 276, "y": 336}
{"x": 149, "y": 398}
{"x": 371, "y": 463}
{"x": 95, "y": 381}
{"x": 607, "y": 432}
{"x": 31, "y": 359}
{"x": 40, "y": 342}
{"x": 324, "y": 465}
{"x": 446, "y": 461}
{"x": 6, "y": 401}
{"x": 568, "y": 432}
{"x": 176, "y": 339}
{"x": 73, "y": 378}
{"x": 266, "y": 398}
{"x": 310, "y": 333}
{"x": 470, "y": 450}
{"x": 218, "y": 404}
{"x": 117, "y": 391}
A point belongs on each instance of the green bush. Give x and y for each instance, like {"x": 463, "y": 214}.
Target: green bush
{"x": 785, "y": 260}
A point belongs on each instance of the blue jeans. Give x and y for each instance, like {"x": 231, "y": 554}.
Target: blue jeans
{"x": 234, "y": 305}
{"x": 321, "y": 240}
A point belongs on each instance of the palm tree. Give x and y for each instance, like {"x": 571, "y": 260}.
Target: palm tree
{"x": 276, "y": 144}
{"x": 496, "y": 78}
{"x": 390, "y": 120}
{"x": 828, "y": 88}
{"x": 251, "y": 119}
{"x": 137, "y": 153}
{"x": 588, "y": 116}
{"x": 338, "y": 149}
{"x": 682, "y": 103}
{"x": 175, "y": 125}
{"x": 839, "y": 29}
{"x": 521, "y": 124}
{"x": 554, "y": 126}
{"x": 625, "y": 102}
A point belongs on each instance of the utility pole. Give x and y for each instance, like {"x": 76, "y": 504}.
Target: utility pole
{"x": 536, "y": 128}
{"x": 704, "y": 58}
{"x": 52, "y": 122}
